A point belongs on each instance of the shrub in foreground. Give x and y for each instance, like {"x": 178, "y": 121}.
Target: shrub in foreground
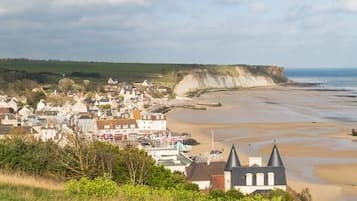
{"x": 99, "y": 187}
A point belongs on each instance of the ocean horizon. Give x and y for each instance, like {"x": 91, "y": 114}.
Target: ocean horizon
{"x": 329, "y": 78}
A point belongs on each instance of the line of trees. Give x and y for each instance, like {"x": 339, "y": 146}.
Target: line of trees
{"x": 80, "y": 159}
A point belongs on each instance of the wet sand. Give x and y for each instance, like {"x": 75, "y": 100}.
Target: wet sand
{"x": 310, "y": 128}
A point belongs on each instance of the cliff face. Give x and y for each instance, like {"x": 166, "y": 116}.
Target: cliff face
{"x": 230, "y": 77}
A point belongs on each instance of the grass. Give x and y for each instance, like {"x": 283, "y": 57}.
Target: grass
{"x": 24, "y": 180}
{"x": 127, "y": 71}
{"x": 17, "y": 187}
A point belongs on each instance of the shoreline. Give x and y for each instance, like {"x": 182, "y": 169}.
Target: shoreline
{"x": 228, "y": 132}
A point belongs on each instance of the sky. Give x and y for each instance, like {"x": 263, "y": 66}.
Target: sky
{"x": 291, "y": 33}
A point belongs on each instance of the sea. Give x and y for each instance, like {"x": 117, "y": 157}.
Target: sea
{"x": 327, "y": 78}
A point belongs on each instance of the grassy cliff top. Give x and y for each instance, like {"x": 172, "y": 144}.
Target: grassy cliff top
{"x": 101, "y": 71}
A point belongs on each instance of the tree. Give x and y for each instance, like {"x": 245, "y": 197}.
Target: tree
{"x": 65, "y": 84}
{"x": 34, "y": 97}
{"x": 105, "y": 154}
{"x": 161, "y": 177}
{"x": 76, "y": 157}
{"x": 134, "y": 165}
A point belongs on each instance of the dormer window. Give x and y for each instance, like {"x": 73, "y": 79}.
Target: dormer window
{"x": 271, "y": 181}
{"x": 249, "y": 179}
{"x": 107, "y": 126}
{"x": 260, "y": 179}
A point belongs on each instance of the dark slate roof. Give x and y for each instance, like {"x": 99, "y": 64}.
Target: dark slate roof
{"x": 233, "y": 160}
{"x": 203, "y": 172}
{"x": 275, "y": 159}
{"x": 239, "y": 174}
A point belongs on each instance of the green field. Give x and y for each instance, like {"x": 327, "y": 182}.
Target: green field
{"x": 50, "y": 71}
{"x": 99, "y": 71}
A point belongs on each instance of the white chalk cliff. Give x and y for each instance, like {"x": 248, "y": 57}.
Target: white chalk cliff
{"x": 237, "y": 77}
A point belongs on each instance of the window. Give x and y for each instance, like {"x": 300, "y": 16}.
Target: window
{"x": 260, "y": 179}
{"x": 249, "y": 179}
{"x": 271, "y": 179}
{"x": 107, "y": 126}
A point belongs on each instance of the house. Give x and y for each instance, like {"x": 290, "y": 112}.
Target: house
{"x": 203, "y": 173}
{"x": 146, "y": 83}
{"x": 48, "y": 133}
{"x": 170, "y": 158}
{"x": 115, "y": 129}
{"x": 41, "y": 106}
{"x": 25, "y": 111}
{"x": 255, "y": 177}
{"x": 4, "y": 110}
{"x": 152, "y": 122}
{"x": 8, "y": 119}
{"x": 85, "y": 124}
{"x": 112, "y": 81}
{"x": 79, "y": 107}
{"x": 127, "y": 91}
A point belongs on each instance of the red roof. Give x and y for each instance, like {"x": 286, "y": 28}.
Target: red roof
{"x": 116, "y": 123}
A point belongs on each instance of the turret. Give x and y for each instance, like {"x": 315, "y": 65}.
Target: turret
{"x": 275, "y": 159}
{"x": 233, "y": 161}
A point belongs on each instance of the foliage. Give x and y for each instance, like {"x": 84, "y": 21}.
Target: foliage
{"x": 34, "y": 97}
{"x": 134, "y": 165}
{"x": 234, "y": 195}
{"x": 280, "y": 195}
{"x": 85, "y": 188}
{"x": 163, "y": 178}
{"x": 304, "y": 195}
{"x": 65, "y": 84}
{"x": 217, "y": 194}
{"x": 98, "y": 167}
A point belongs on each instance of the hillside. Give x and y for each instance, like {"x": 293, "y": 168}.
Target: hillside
{"x": 185, "y": 77}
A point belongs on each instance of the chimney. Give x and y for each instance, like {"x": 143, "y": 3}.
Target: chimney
{"x": 255, "y": 161}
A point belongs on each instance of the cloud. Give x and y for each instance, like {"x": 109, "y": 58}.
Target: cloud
{"x": 99, "y": 2}
{"x": 350, "y": 5}
{"x": 184, "y": 31}
{"x": 258, "y": 6}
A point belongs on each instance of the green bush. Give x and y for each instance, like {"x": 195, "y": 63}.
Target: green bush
{"x": 217, "y": 195}
{"x": 234, "y": 195}
{"x": 85, "y": 188}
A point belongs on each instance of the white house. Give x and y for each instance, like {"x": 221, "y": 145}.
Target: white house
{"x": 152, "y": 122}
{"x": 255, "y": 177}
{"x": 41, "y": 106}
{"x": 48, "y": 133}
{"x": 170, "y": 158}
{"x": 115, "y": 129}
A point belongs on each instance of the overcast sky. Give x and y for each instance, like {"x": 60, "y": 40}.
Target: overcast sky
{"x": 292, "y": 33}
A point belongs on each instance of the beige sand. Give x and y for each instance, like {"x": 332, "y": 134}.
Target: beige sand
{"x": 315, "y": 137}
{"x": 341, "y": 175}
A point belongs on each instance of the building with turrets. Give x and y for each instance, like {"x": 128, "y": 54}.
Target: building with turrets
{"x": 255, "y": 177}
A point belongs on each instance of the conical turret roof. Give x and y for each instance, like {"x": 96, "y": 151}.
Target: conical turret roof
{"x": 233, "y": 160}
{"x": 275, "y": 159}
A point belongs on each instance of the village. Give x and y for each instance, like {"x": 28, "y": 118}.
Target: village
{"x": 127, "y": 115}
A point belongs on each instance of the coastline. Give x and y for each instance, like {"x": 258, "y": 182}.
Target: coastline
{"x": 300, "y": 140}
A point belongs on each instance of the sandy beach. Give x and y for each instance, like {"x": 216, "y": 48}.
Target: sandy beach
{"x": 310, "y": 127}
